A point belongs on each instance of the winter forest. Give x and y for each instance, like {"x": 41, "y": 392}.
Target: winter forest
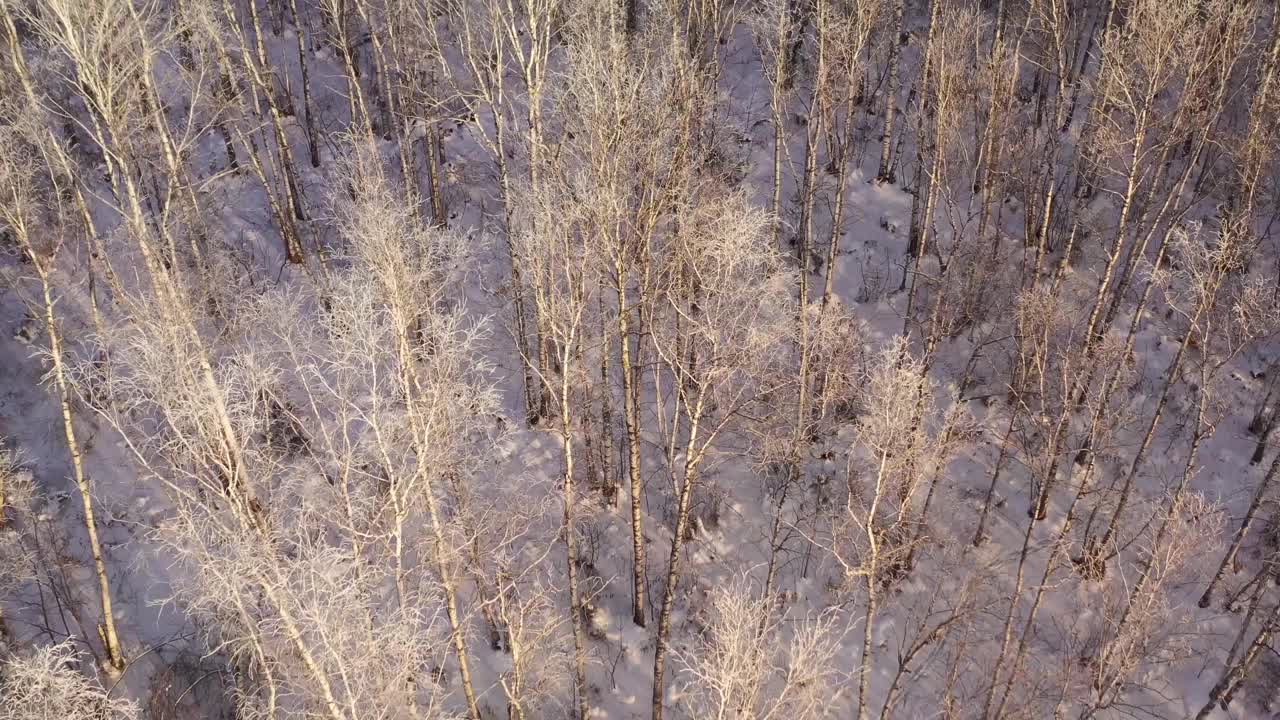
{"x": 621, "y": 359}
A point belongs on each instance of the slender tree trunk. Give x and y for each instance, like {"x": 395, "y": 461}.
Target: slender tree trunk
{"x": 435, "y": 164}
{"x": 515, "y": 689}
{"x": 1057, "y": 545}
{"x": 300, "y": 35}
{"x": 778, "y": 149}
{"x": 864, "y": 664}
{"x": 1049, "y": 164}
{"x": 608, "y": 443}
{"x": 265, "y": 90}
{"x": 870, "y": 573}
{"x": 1259, "y": 495}
{"x": 20, "y": 70}
{"x": 920, "y": 230}
{"x": 576, "y": 608}
{"x": 358, "y": 108}
{"x": 457, "y": 638}
{"x": 390, "y": 105}
{"x": 692, "y": 458}
{"x": 922, "y": 217}
{"x": 779, "y": 91}
{"x": 226, "y": 94}
{"x": 252, "y": 629}
{"x": 270, "y": 584}
{"x": 771, "y": 570}
{"x": 1230, "y": 679}
{"x": 1140, "y": 457}
{"x": 989, "y": 181}
{"x": 1091, "y": 333}
{"x": 631, "y": 417}
{"x": 1144, "y": 575}
{"x": 532, "y": 387}
{"x": 885, "y": 173}
{"x": 410, "y": 381}
{"x": 995, "y": 477}
{"x": 1015, "y": 598}
{"x": 533, "y": 62}
{"x": 178, "y": 173}
{"x": 264, "y": 78}
{"x": 1056, "y": 548}
{"x": 1134, "y": 176}
{"x": 288, "y": 227}
{"x": 107, "y": 628}
{"x": 817, "y": 102}
{"x": 837, "y": 213}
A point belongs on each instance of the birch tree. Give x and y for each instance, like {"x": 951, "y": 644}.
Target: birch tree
{"x": 565, "y": 296}
{"x": 46, "y": 684}
{"x": 885, "y": 172}
{"x": 893, "y": 444}
{"x": 717, "y": 346}
{"x": 751, "y": 661}
{"x": 26, "y": 202}
{"x": 17, "y": 562}
{"x": 320, "y": 551}
{"x": 623, "y": 137}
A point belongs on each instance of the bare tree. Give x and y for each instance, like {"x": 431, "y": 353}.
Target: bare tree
{"x": 20, "y": 216}
{"x": 564, "y": 296}
{"x": 945, "y": 81}
{"x": 752, "y": 661}
{"x": 898, "y": 29}
{"x": 894, "y": 444}
{"x": 483, "y": 83}
{"x": 851, "y": 36}
{"x": 774, "y": 28}
{"x": 623, "y": 140}
{"x": 322, "y": 551}
{"x": 16, "y": 560}
{"x": 716, "y": 345}
{"x": 46, "y": 684}
{"x": 534, "y": 634}
{"x": 259, "y": 71}
{"x": 1146, "y": 629}
{"x": 527, "y": 29}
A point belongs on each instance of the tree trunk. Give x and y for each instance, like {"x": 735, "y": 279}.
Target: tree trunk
{"x": 1231, "y": 679}
{"x": 885, "y": 174}
{"x": 288, "y": 227}
{"x": 778, "y": 149}
{"x": 1259, "y": 495}
{"x": 265, "y": 90}
{"x": 1144, "y": 575}
{"x": 571, "y": 547}
{"x": 356, "y": 104}
{"x": 107, "y": 628}
{"x": 870, "y": 572}
{"x": 837, "y": 214}
{"x": 631, "y": 417}
{"x": 409, "y": 380}
{"x": 264, "y": 78}
{"x": 1140, "y": 457}
{"x": 300, "y": 35}
{"x": 532, "y": 387}
{"x": 692, "y": 457}
{"x": 436, "y": 164}
{"x": 96, "y": 251}
{"x": 995, "y": 477}
{"x": 390, "y": 105}
{"x": 816, "y": 119}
